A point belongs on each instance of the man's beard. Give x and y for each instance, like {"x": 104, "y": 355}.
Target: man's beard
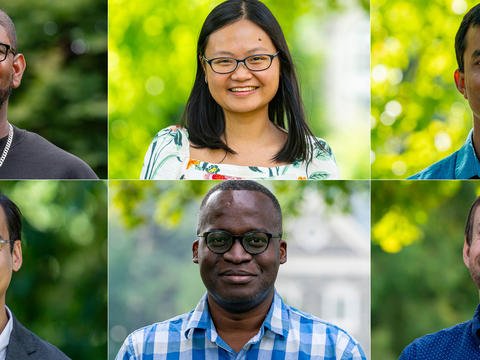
{"x": 5, "y": 93}
{"x": 475, "y": 272}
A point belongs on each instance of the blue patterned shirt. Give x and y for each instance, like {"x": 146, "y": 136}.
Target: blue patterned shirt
{"x": 286, "y": 333}
{"x": 460, "y": 342}
{"x": 462, "y": 164}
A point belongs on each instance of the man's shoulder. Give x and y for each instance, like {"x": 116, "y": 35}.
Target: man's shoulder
{"x": 323, "y": 336}
{"x": 317, "y": 326}
{"x": 438, "y": 345}
{"x": 443, "y": 169}
{"x": 52, "y": 161}
{"x": 25, "y": 343}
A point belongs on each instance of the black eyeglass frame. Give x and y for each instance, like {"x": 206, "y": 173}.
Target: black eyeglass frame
{"x": 209, "y": 62}
{"x": 8, "y": 48}
{"x": 239, "y": 237}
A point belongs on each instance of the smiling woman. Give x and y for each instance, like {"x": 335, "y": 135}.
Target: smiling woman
{"x": 244, "y": 118}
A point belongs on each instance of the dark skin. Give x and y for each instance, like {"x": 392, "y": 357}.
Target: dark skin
{"x": 11, "y": 72}
{"x": 237, "y": 329}
{"x": 240, "y": 286}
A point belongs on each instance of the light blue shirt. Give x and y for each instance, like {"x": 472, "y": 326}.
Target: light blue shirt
{"x": 286, "y": 333}
{"x": 462, "y": 164}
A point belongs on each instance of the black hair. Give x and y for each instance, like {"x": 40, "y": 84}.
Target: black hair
{"x": 248, "y": 185}
{"x": 13, "y": 217}
{"x": 9, "y": 27}
{"x": 469, "y": 224}
{"x": 472, "y": 18}
{"x": 204, "y": 118}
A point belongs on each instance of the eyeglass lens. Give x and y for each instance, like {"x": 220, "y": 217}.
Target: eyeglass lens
{"x": 254, "y": 62}
{"x": 3, "y": 52}
{"x": 221, "y": 241}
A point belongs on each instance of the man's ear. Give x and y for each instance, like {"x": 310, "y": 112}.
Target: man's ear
{"x": 283, "y": 252}
{"x": 19, "y": 66}
{"x": 195, "y": 252}
{"x": 17, "y": 255}
{"x": 460, "y": 82}
{"x": 466, "y": 253}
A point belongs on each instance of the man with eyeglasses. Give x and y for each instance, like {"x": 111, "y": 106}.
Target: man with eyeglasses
{"x": 16, "y": 342}
{"x": 239, "y": 248}
{"x": 23, "y": 154}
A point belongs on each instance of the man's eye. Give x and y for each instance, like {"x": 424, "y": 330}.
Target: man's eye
{"x": 217, "y": 240}
{"x": 256, "y": 241}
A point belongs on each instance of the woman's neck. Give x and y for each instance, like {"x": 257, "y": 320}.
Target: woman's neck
{"x": 254, "y": 138}
{"x": 246, "y": 129}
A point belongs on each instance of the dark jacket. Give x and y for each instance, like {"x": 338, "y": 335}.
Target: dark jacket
{"x": 26, "y": 345}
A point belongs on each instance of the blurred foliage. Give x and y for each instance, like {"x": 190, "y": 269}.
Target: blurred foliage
{"x": 152, "y": 64}
{"x": 173, "y": 197}
{"x": 418, "y": 115}
{"x": 419, "y": 281}
{"x": 152, "y": 225}
{"x": 60, "y": 293}
{"x": 63, "y": 95}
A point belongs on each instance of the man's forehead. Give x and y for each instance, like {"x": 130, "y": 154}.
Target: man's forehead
{"x": 476, "y": 219}
{"x": 4, "y": 36}
{"x": 3, "y": 224}
{"x": 472, "y": 39}
{"x": 228, "y": 198}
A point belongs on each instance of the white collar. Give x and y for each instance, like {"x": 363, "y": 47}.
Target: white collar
{"x": 5, "y": 334}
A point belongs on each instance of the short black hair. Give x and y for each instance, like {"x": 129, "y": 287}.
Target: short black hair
{"x": 469, "y": 224}
{"x": 204, "y": 118}
{"x": 13, "y": 217}
{"x": 472, "y": 18}
{"x": 9, "y": 27}
{"x": 244, "y": 185}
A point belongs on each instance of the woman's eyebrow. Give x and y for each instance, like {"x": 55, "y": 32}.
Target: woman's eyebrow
{"x": 256, "y": 50}
{"x": 251, "y": 51}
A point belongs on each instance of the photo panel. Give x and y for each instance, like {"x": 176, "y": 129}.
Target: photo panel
{"x": 59, "y": 291}
{"x": 62, "y": 95}
{"x": 418, "y": 114}
{"x": 153, "y": 225}
{"x": 420, "y": 282}
{"x": 152, "y": 69}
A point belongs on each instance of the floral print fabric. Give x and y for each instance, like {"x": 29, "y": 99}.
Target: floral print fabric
{"x": 168, "y": 158}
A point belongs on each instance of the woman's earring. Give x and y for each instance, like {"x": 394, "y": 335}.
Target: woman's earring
{"x": 206, "y": 82}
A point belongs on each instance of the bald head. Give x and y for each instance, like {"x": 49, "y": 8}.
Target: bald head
{"x": 240, "y": 185}
{"x": 9, "y": 27}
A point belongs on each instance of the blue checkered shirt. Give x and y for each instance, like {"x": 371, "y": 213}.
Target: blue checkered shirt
{"x": 286, "y": 333}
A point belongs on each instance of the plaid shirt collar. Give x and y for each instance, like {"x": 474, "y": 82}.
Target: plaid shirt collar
{"x": 277, "y": 320}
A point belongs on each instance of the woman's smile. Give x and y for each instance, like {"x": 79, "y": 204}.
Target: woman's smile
{"x": 243, "y": 90}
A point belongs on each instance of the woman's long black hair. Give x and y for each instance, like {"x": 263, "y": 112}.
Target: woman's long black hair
{"x": 204, "y": 118}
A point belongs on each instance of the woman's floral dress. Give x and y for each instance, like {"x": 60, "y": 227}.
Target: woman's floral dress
{"x": 168, "y": 158}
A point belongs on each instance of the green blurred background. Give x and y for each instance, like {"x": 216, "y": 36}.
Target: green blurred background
{"x": 418, "y": 115}
{"x": 152, "y": 62}
{"x": 152, "y": 225}
{"x": 60, "y": 293}
{"x": 419, "y": 281}
{"x": 63, "y": 95}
